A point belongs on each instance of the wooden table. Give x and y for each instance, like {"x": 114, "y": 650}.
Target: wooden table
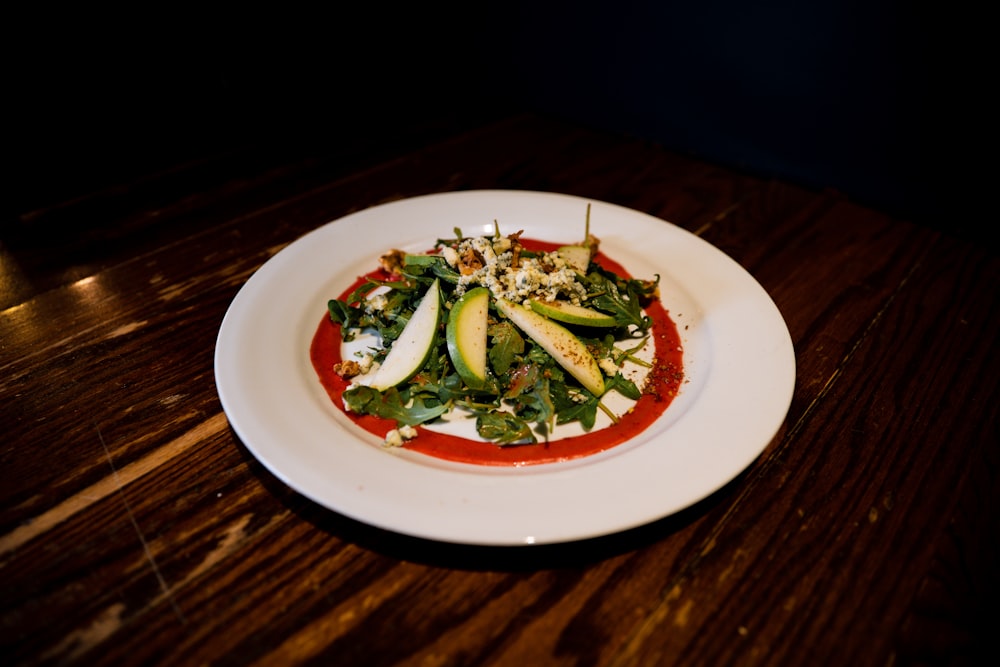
{"x": 138, "y": 529}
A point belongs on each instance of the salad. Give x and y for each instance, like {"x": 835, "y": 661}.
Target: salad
{"x": 521, "y": 339}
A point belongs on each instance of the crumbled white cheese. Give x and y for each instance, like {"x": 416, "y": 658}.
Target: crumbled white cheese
{"x": 530, "y": 279}
{"x": 365, "y": 361}
{"x": 376, "y": 303}
{"x": 450, "y": 255}
{"x": 609, "y": 366}
{"x": 366, "y": 377}
{"x": 397, "y": 436}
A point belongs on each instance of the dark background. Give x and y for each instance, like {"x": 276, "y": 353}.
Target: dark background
{"x": 875, "y": 100}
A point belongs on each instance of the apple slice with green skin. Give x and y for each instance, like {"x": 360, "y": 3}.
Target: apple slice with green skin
{"x": 466, "y": 336}
{"x": 568, "y": 351}
{"x": 577, "y": 256}
{"x": 413, "y": 348}
{"x": 570, "y": 313}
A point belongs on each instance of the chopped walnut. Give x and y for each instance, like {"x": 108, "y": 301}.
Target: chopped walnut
{"x": 392, "y": 261}
{"x": 515, "y": 249}
{"x": 470, "y": 262}
{"x": 347, "y": 369}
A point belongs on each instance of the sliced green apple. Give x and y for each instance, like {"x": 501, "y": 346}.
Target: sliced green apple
{"x": 568, "y": 351}
{"x": 466, "y": 336}
{"x": 577, "y": 256}
{"x": 565, "y": 311}
{"x": 413, "y": 348}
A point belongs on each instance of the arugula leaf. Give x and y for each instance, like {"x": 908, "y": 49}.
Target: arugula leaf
{"x": 391, "y": 404}
{"x": 504, "y": 428}
{"x": 585, "y": 413}
{"x": 351, "y": 318}
{"x": 536, "y": 404}
{"x": 342, "y": 314}
{"x": 623, "y": 386}
{"x": 507, "y": 345}
{"x": 521, "y": 379}
{"x": 620, "y": 356}
{"x": 608, "y": 298}
{"x": 421, "y": 261}
{"x": 418, "y": 266}
{"x": 362, "y": 290}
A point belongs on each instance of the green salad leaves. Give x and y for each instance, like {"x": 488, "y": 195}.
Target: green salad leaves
{"x": 527, "y": 390}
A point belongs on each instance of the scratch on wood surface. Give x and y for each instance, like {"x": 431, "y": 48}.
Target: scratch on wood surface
{"x": 82, "y": 640}
{"x": 164, "y": 587}
{"x": 807, "y": 414}
{"x": 125, "y": 329}
{"x": 108, "y": 485}
{"x": 709, "y": 545}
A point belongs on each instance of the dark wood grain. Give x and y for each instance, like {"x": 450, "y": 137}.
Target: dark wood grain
{"x": 135, "y": 527}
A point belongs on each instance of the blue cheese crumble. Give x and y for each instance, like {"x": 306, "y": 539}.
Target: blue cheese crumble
{"x": 490, "y": 263}
{"x": 397, "y": 436}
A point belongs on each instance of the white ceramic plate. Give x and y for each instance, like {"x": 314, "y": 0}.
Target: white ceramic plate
{"x": 738, "y": 357}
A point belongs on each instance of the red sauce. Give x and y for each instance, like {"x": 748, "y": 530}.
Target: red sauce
{"x": 660, "y": 389}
